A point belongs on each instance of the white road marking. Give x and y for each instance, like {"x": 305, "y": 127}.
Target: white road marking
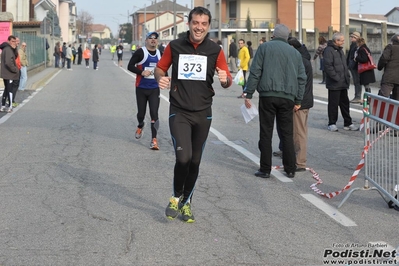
{"x": 352, "y": 109}
{"x": 248, "y": 154}
{"x": 329, "y": 210}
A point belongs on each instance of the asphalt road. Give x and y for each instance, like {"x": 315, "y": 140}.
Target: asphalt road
{"x": 78, "y": 189}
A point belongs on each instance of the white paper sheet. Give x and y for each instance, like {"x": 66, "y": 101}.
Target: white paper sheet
{"x": 250, "y": 113}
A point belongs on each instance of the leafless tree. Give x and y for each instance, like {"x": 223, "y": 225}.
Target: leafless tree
{"x": 84, "y": 22}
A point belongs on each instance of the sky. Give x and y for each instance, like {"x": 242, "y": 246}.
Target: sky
{"x": 115, "y": 12}
{"x": 378, "y": 7}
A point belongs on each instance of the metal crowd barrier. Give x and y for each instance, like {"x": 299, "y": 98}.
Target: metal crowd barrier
{"x": 381, "y": 147}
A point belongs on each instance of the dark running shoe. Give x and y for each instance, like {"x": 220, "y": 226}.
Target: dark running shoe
{"x": 187, "y": 214}
{"x": 172, "y": 210}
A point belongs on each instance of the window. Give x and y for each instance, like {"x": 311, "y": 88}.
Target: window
{"x": 165, "y": 33}
{"x": 3, "y": 5}
{"x": 233, "y": 9}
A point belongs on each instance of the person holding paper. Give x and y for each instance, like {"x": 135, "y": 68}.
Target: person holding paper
{"x": 195, "y": 59}
{"x": 278, "y": 74}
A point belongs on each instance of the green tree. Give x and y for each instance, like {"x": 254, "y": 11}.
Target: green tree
{"x": 125, "y": 32}
{"x": 108, "y": 40}
{"x": 95, "y": 40}
{"x": 248, "y": 22}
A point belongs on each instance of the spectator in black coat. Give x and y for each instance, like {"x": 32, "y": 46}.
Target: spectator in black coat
{"x": 337, "y": 83}
{"x": 361, "y": 56}
{"x": 251, "y": 53}
{"x": 301, "y": 115}
{"x": 352, "y": 66}
{"x": 63, "y": 54}
{"x": 233, "y": 54}
{"x": 389, "y": 62}
{"x": 96, "y": 57}
{"x": 80, "y": 52}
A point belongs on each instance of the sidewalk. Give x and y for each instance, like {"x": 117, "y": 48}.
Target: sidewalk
{"x": 36, "y": 79}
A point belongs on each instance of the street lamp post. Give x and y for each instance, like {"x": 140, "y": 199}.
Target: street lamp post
{"x": 174, "y": 20}
{"x": 220, "y": 21}
{"x": 118, "y": 28}
{"x": 144, "y": 24}
{"x": 300, "y": 20}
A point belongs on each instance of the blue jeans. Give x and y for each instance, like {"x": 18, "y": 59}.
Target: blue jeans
{"x": 57, "y": 61}
{"x": 23, "y": 78}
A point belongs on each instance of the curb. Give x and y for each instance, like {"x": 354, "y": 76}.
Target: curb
{"x": 41, "y": 82}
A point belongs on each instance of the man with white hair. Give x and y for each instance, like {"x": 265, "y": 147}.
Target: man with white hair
{"x": 24, "y": 65}
{"x": 337, "y": 83}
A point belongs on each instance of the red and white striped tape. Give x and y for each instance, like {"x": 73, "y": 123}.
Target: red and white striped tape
{"x": 381, "y": 109}
{"x": 365, "y": 110}
{"x": 353, "y": 177}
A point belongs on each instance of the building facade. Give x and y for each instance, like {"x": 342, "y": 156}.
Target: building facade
{"x": 159, "y": 17}
{"x": 57, "y": 16}
{"x": 100, "y": 31}
{"x": 264, "y": 14}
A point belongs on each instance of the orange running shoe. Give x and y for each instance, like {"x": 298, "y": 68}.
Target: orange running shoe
{"x": 139, "y": 133}
{"x": 154, "y": 144}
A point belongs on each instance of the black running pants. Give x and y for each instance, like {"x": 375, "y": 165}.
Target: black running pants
{"x": 150, "y": 96}
{"x": 189, "y": 131}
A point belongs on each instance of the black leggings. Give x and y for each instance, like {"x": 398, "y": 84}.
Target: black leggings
{"x": 152, "y": 97}
{"x": 189, "y": 131}
{"x": 10, "y": 90}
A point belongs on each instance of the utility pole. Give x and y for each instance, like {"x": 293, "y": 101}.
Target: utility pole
{"x": 144, "y": 33}
{"x": 174, "y": 20}
{"x": 342, "y": 16}
{"x": 156, "y": 13}
{"x": 300, "y": 20}
{"x": 220, "y": 21}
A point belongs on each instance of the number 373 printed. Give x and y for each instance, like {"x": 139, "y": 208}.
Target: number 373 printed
{"x": 192, "y": 67}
